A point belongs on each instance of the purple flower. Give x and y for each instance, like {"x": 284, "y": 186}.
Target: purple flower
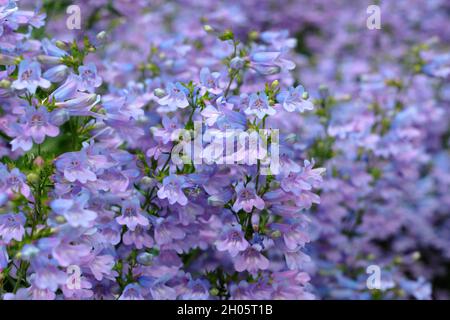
{"x": 247, "y": 198}
{"x": 232, "y": 240}
{"x": 132, "y": 292}
{"x": 132, "y": 214}
{"x": 295, "y": 99}
{"x": 161, "y": 291}
{"x": 7, "y": 7}
{"x": 270, "y": 62}
{"x": 47, "y": 275}
{"x": 68, "y": 252}
{"x": 74, "y": 210}
{"x": 211, "y": 114}
{"x": 196, "y": 290}
{"x": 305, "y": 180}
{"x": 265, "y": 62}
{"x": 419, "y": 289}
{"x": 39, "y": 123}
{"x": 83, "y": 292}
{"x": 438, "y": 67}
{"x": 167, "y": 132}
{"x": 29, "y": 77}
{"x": 75, "y": 167}
{"x": 172, "y": 190}
{"x": 251, "y": 260}
{"x": 294, "y": 182}
{"x": 166, "y": 231}
{"x": 294, "y": 234}
{"x": 101, "y": 266}
{"x": 57, "y": 73}
{"x": 14, "y": 182}
{"x": 67, "y": 90}
{"x": 81, "y": 104}
{"x": 89, "y": 79}
{"x": 176, "y": 97}
{"x": 210, "y": 80}
{"x": 12, "y": 226}
{"x": 296, "y": 260}
{"x": 139, "y": 237}
{"x": 258, "y": 104}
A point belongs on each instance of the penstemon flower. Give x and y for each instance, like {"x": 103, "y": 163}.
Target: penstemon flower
{"x": 226, "y": 161}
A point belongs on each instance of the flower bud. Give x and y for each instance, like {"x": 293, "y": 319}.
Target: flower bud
{"x": 147, "y": 182}
{"x": 208, "y": 28}
{"x": 159, "y": 92}
{"x": 255, "y": 221}
{"x": 275, "y": 84}
{"x": 227, "y": 35}
{"x": 253, "y": 35}
{"x": 237, "y": 63}
{"x": 305, "y": 95}
{"x": 61, "y": 45}
{"x": 45, "y": 59}
{"x": 214, "y": 291}
{"x": 145, "y": 258}
{"x": 276, "y": 234}
{"x": 60, "y": 219}
{"x": 101, "y": 35}
{"x": 39, "y": 162}
{"x": 398, "y": 260}
{"x": 7, "y": 60}
{"x": 215, "y": 201}
{"x": 33, "y": 177}
{"x": 416, "y": 255}
{"x": 5, "y": 84}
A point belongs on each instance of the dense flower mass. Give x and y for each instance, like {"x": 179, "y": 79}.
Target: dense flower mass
{"x": 224, "y": 150}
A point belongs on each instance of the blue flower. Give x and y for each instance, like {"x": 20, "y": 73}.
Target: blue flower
{"x": 175, "y": 98}
{"x": 258, "y": 104}
{"x": 172, "y": 190}
{"x": 29, "y": 77}
{"x": 89, "y": 79}
{"x": 74, "y": 210}
{"x": 210, "y": 81}
{"x": 295, "y": 99}
{"x": 12, "y": 227}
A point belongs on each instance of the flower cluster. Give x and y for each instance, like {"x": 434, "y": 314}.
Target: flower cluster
{"x": 223, "y": 150}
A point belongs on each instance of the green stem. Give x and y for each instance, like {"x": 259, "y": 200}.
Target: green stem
{"x": 21, "y": 273}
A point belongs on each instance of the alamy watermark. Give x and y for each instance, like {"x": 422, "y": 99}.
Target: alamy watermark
{"x": 374, "y": 279}
{"x": 374, "y": 19}
{"x": 73, "y": 21}
{"x": 73, "y": 281}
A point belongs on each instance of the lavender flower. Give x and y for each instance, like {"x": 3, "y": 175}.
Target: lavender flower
{"x": 12, "y": 227}
{"x": 89, "y": 79}
{"x": 247, "y": 198}
{"x": 176, "y": 97}
{"x": 172, "y": 190}
{"x": 295, "y": 99}
{"x": 258, "y": 104}
{"x": 132, "y": 215}
{"x": 232, "y": 240}
{"x": 39, "y": 123}
{"x": 251, "y": 260}
{"x": 29, "y": 77}
{"x": 210, "y": 80}
{"x": 75, "y": 167}
{"x": 75, "y": 211}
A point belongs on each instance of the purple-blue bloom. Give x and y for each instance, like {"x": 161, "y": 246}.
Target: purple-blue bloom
{"x": 29, "y": 77}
